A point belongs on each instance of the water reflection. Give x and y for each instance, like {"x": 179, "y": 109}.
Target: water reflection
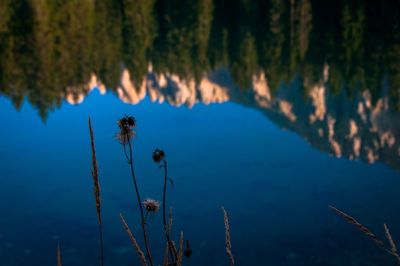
{"x": 354, "y": 128}
{"x": 330, "y": 73}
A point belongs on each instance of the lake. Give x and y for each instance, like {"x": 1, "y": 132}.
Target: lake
{"x": 272, "y": 109}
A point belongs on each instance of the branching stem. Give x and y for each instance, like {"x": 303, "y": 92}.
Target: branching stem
{"x": 171, "y": 250}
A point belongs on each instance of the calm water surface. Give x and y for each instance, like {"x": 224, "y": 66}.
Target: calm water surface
{"x": 275, "y": 187}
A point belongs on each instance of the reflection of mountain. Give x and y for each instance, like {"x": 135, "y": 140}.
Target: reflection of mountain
{"x": 353, "y": 128}
{"x": 50, "y": 48}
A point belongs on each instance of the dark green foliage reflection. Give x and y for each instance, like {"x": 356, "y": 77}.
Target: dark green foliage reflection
{"x": 51, "y": 47}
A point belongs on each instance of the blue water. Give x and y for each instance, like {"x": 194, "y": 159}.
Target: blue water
{"x": 274, "y": 186}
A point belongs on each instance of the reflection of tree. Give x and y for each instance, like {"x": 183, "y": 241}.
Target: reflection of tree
{"x": 245, "y": 64}
{"x": 300, "y": 29}
{"x": 45, "y": 48}
{"x": 353, "y": 35}
{"x": 182, "y": 43}
{"x": 202, "y": 36}
{"x": 276, "y": 49}
{"x": 138, "y": 33}
{"x": 15, "y": 53}
{"x": 107, "y": 41}
{"x": 52, "y": 47}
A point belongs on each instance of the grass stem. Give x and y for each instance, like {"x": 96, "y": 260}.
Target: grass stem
{"x": 96, "y": 185}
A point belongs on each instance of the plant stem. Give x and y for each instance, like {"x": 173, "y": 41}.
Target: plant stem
{"x": 101, "y": 244}
{"x": 140, "y": 203}
{"x": 96, "y": 185}
{"x": 164, "y": 220}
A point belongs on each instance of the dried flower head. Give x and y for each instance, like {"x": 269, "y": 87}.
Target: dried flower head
{"x": 188, "y": 251}
{"x": 122, "y": 122}
{"x": 131, "y": 121}
{"x": 126, "y": 133}
{"x": 158, "y": 155}
{"x": 127, "y": 122}
{"x": 151, "y": 205}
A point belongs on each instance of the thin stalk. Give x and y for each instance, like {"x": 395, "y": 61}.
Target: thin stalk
{"x": 164, "y": 220}
{"x": 228, "y": 238}
{"x": 58, "y": 256}
{"x": 101, "y": 244}
{"x": 140, "y": 204}
{"x": 135, "y": 244}
{"x": 96, "y": 185}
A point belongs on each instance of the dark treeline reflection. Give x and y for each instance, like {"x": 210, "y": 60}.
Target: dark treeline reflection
{"x": 48, "y": 46}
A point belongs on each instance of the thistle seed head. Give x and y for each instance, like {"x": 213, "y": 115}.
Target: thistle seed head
{"x": 151, "y": 205}
{"x": 187, "y": 252}
{"x": 158, "y": 155}
{"x": 127, "y": 122}
{"x": 126, "y": 133}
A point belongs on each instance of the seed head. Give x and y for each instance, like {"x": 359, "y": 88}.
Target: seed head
{"x": 126, "y": 133}
{"x": 158, "y": 155}
{"x": 122, "y": 122}
{"x": 151, "y": 205}
{"x": 187, "y": 252}
{"x": 131, "y": 121}
{"x": 127, "y": 122}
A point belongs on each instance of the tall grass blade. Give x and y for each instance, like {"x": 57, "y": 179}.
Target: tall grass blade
{"x": 352, "y": 221}
{"x": 138, "y": 250}
{"x": 58, "y": 256}
{"x": 393, "y": 246}
{"x": 228, "y": 238}
{"x": 179, "y": 258}
{"x": 96, "y": 186}
{"x": 166, "y": 255}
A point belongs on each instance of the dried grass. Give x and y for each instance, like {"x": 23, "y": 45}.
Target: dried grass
{"x": 228, "y": 238}
{"x": 392, "y": 251}
{"x": 173, "y": 247}
{"x": 179, "y": 258}
{"x": 138, "y": 250}
{"x": 352, "y": 221}
{"x": 58, "y": 256}
{"x": 96, "y": 186}
{"x": 169, "y": 231}
{"x": 166, "y": 255}
{"x": 393, "y": 246}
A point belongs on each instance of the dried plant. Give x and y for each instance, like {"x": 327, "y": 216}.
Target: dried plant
{"x": 158, "y": 157}
{"x": 166, "y": 254}
{"x": 170, "y": 220}
{"x": 138, "y": 250}
{"x": 173, "y": 247}
{"x": 359, "y": 226}
{"x": 188, "y": 251}
{"x": 392, "y": 245}
{"x": 58, "y": 256}
{"x": 228, "y": 238}
{"x": 179, "y": 258}
{"x": 352, "y": 221}
{"x": 96, "y": 185}
{"x": 151, "y": 205}
{"x": 125, "y": 135}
